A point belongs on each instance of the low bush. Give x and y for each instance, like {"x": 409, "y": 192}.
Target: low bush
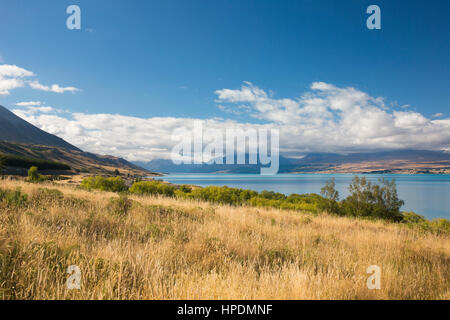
{"x": 13, "y": 198}
{"x": 415, "y": 220}
{"x": 412, "y": 217}
{"x": 113, "y": 184}
{"x": 185, "y": 188}
{"x": 222, "y": 195}
{"x": 34, "y": 176}
{"x": 120, "y": 206}
{"x": 152, "y": 188}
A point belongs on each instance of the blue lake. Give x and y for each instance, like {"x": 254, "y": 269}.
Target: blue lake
{"x": 428, "y": 194}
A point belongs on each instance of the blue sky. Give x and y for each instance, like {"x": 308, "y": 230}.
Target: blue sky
{"x": 168, "y": 58}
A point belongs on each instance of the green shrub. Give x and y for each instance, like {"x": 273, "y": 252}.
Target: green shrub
{"x": 185, "y": 188}
{"x": 440, "y": 225}
{"x": 304, "y": 202}
{"x": 34, "y": 176}
{"x": 120, "y": 206}
{"x": 414, "y": 220}
{"x": 113, "y": 184}
{"x": 152, "y": 188}
{"x": 412, "y": 217}
{"x": 222, "y": 195}
{"x": 13, "y": 198}
{"x": 271, "y": 195}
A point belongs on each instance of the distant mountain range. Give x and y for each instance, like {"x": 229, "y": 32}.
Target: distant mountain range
{"x": 20, "y": 138}
{"x": 400, "y": 161}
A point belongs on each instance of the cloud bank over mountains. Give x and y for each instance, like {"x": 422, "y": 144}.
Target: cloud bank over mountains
{"x": 326, "y": 118}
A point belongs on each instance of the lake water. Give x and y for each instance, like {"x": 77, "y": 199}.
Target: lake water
{"x": 426, "y": 194}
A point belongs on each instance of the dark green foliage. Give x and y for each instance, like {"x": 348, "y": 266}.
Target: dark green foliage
{"x": 114, "y": 184}
{"x": 272, "y": 195}
{"x": 331, "y": 197}
{"x": 23, "y": 162}
{"x": 372, "y": 200}
{"x": 222, "y": 195}
{"x": 186, "y": 189}
{"x": 269, "y": 199}
{"x": 152, "y": 188}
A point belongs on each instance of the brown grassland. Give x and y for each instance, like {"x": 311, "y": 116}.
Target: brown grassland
{"x": 164, "y": 248}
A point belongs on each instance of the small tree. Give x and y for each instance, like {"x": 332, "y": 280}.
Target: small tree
{"x": 33, "y": 175}
{"x": 372, "y": 200}
{"x": 331, "y": 196}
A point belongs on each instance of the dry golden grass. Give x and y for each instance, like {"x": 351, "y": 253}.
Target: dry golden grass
{"x": 172, "y": 249}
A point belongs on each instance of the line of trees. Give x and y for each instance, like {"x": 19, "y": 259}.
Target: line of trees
{"x": 366, "y": 199}
{"x": 23, "y": 162}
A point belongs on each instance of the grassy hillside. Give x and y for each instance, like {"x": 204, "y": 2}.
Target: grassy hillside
{"x": 78, "y": 160}
{"x": 166, "y": 248}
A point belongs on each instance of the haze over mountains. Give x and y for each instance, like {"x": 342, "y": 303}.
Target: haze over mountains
{"x": 400, "y": 161}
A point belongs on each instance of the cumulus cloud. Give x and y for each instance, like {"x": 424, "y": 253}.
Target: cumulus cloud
{"x": 12, "y": 77}
{"x": 326, "y": 118}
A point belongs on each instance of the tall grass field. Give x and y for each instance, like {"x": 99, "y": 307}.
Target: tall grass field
{"x": 155, "y": 247}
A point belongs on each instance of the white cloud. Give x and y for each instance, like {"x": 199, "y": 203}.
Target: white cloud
{"x": 438, "y": 115}
{"x": 28, "y": 103}
{"x": 328, "y": 118}
{"x": 53, "y": 88}
{"x": 32, "y": 108}
{"x": 324, "y": 119}
{"x": 12, "y": 77}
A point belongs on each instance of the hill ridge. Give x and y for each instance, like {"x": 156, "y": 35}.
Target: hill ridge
{"x": 16, "y": 129}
